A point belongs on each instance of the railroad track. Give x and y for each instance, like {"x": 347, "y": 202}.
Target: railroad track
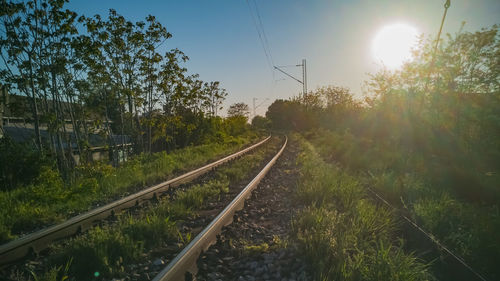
{"x": 40, "y": 240}
{"x": 185, "y": 262}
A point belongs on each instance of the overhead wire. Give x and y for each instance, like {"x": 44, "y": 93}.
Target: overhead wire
{"x": 261, "y": 33}
{"x": 259, "y": 26}
{"x": 266, "y": 42}
{"x": 428, "y": 235}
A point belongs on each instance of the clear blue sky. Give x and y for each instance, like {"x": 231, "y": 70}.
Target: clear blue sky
{"x": 335, "y": 37}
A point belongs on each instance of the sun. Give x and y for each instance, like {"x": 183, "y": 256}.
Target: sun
{"x": 393, "y": 43}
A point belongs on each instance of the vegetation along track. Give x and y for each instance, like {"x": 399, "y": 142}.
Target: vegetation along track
{"x": 185, "y": 263}
{"x": 137, "y": 243}
{"x": 39, "y": 240}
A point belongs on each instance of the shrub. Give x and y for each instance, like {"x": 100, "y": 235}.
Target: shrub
{"x": 20, "y": 163}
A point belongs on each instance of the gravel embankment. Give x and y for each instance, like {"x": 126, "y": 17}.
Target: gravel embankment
{"x": 256, "y": 246}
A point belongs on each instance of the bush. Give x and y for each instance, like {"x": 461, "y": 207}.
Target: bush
{"x": 20, "y": 163}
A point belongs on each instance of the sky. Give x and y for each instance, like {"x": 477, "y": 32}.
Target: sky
{"x": 334, "y": 36}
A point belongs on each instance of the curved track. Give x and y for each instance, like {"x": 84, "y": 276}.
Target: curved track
{"x": 37, "y": 241}
{"x": 185, "y": 262}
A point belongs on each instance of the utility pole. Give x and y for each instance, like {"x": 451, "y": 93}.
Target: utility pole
{"x": 304, "y": 76}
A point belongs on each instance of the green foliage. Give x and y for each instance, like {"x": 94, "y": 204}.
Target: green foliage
{"x": 20, "y": 163}
{"x": 343, "y": 235}
{"x": 257, "y": 250}
{"x": 238, "y": 109}
{"x": 102, "y": 250}
{"x": 390, "y": 260}
{"x": 328, "y": 107}
{"x": 426, "y": 137}
{"x": 237, "y": 125}
{"x": 106, "y": 250}
{"x": 107, "y": 70}
{"x": 467, "y": 228}
{"x": 48, "y": 200}
{"x": 288, "y": 115}
{"x": 150, "y": 229}
{"x": 55, "y": 274}
{"x": 470, "y": 230}
{"x": 261, "y": 123}
{"x": 195, "y": 196}
{"x": 329, "y": 185}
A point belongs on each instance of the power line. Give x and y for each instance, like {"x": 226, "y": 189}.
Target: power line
{"x": 429, "y": 235}
{"x": 263, "y": 32}
{"x": 304, "y": 75}
{"x": 289, "y": 65}
{"x": 261, "y": 36}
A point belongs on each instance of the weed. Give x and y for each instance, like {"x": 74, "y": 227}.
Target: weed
{"x": 256, "y": 249}
{"x": 343, "y": 235}
{"x": 437, "y": 195}
{"x": 150, "y": 229}
{"x": 105, "y": 250}
{"x": 54, "y": 274}
{"x": 101, "y": 250}
{"x": 47, "y": 200}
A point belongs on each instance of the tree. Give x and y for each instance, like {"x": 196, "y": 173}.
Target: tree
{"x": 237, "y": 118}
{"x": 260, "y": 122}
{"x": 238, "y": 109}
{"x": 35, "y": 45}
{"x": 289, "y": 115}
{"x": 111, "y": 73}
{"x": 154, "y": 35}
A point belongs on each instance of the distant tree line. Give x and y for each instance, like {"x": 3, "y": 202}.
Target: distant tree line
{"x": 443, "y": 107}
{"x": 426, "y": 137}
{"x": 103, "y": 73}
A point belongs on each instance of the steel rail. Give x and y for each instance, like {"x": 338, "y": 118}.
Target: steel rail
{"x": 37, "y": 241}
{"x": 185, "y": 261}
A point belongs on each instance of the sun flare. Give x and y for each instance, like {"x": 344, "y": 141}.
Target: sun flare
{"x": 393, "y": 43}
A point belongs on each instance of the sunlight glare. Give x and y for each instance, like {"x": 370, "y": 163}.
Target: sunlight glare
{"x": 393, "y": 43}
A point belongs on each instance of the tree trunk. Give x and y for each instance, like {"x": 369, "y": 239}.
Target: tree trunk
{"x": 34, "y": 108}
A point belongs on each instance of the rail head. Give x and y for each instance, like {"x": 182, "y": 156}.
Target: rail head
{"x": 185, "y": 261}
{"x": 37, "y": 241}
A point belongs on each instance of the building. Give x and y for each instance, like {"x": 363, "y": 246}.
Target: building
{"x": 17, "y": 123}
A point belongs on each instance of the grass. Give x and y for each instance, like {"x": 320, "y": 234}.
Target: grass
{"x": 107, "y": 250}
{"x": 54, "y": 274}
{"x": 343, "y": 235}
{"x": 48, "y": 200}
{"x": 425, "y": 191}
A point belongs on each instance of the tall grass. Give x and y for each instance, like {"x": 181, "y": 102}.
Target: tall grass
{"x": 425, "y": 191}
{"x": 47, "y": 200}
{"x": 343, "y": 235}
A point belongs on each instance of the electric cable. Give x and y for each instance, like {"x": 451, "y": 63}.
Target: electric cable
{"x": 430, "y": 236}
{"x": 261, "y": 38}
